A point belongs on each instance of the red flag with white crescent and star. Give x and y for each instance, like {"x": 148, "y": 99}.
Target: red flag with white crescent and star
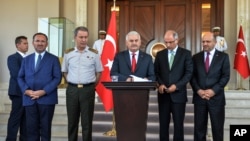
{"x": 240, "y": 60}
{"x": 107, "y": 57}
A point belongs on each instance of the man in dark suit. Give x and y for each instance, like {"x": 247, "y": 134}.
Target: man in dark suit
{"x": 173, "y": 70}
{"x": 211, "y": 74}
{"x": 17, "y": 113}
{"x": 38, "y": 79}
{"x": 122, "y": 65}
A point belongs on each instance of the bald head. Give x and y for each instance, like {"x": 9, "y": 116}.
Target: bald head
{"x": 208, "y": 41}
{"x": 171, "y": 39}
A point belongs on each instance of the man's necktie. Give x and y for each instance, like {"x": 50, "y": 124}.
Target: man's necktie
{"x": 133, "y": 66}
{"x": 38, "y": 61}
{"x": 171, "y": 59}
{"x": 207, "y": 62}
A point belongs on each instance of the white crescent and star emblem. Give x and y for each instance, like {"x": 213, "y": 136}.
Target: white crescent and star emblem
{"x": 112, "y": 40}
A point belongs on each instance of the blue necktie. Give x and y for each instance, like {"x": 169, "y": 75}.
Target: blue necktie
{"x": 38, "y": 61}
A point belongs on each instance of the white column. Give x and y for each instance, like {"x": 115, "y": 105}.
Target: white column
{"x": 81, "y": 13}
{"x": 243, "y": 18}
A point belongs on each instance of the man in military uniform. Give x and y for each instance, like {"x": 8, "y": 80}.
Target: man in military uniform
{"x": 221, "y": 44}
{"x": 81, "y": 68}
{"x": 98, "y": 44}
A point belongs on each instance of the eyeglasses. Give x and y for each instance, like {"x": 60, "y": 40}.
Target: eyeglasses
{"x": 170, "y": 42}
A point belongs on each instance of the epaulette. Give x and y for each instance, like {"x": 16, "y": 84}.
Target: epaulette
{"x": 93, "y": 50}
{"x": 69, "y": 50}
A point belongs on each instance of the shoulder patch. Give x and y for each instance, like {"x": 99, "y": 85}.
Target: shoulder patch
{"x": 69, "y": 50}
{"x": 93, "y": 50}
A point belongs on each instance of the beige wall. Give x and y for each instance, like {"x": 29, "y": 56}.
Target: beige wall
{"x": 18, "y": 17}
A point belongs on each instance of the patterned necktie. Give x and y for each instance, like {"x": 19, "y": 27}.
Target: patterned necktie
{"x": 171, "y": 59}
{"x": 207, "y": 62}
{"x": 38, "y": 61}
{"x": 133, "y": 66}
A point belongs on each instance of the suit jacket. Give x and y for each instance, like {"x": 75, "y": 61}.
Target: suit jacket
{"x": 180, "y": 74}
{"x": 122, "y": 66}
{"x": 46, "y": 77}
{"x": 216, "y": 78}
{"x": 14, "y": 62}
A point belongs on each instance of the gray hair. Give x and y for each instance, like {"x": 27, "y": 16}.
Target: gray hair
{"x": 133, "y": 33}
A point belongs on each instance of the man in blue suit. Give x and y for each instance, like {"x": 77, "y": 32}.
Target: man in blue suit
{"x": 38, "y": 79}
{"x": 123, "y": 61}
{"x": 17, "y": 113}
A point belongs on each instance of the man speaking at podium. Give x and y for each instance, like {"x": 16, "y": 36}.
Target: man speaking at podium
{"x": 133, "y": 61}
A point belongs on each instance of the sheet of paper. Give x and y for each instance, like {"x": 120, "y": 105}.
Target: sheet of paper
{"x": 139, "y": 79}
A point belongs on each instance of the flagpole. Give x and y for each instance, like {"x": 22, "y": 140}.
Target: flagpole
{"x": 240, "y": 87}
{"x": 112, "y": 132}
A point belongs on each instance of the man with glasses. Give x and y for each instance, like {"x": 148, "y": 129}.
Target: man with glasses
{"x": 173, "y": 70}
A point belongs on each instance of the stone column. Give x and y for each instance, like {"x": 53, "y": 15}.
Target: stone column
{"x": 81, "y": 13}
{"x": 243, "y": 18}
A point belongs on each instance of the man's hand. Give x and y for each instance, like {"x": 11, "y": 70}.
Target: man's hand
{"x": 35, "y": 94}
{"x": 162, "y": 88}
{"x": 206, "y": 94}
{"x": 171, "y": 89}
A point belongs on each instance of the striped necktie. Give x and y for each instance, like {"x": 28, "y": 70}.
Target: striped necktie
{"x": 171, "y": 59}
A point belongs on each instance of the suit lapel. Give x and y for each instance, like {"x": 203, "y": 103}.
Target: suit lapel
{"x": 127, "y": 59}
{"x": 177, "y": 55}
{"x": 202, "y": 56}
{"x": 140, "y": 59}
{"x": 214, "y": 59}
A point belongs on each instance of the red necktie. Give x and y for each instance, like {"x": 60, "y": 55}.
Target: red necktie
{"x": 207, "y": 62}
{"x": 133, "y": 66}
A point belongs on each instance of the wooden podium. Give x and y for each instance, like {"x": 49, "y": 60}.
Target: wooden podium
{"x": 130, "y": 108}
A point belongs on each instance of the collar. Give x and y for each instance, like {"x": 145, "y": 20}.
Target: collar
{"x": 136, "y": 53}
{"x": 21, "y": 53}
{"x": 42, "y": 54}
{"x": 174, "y": 50}
{"x": 211, "y": 52}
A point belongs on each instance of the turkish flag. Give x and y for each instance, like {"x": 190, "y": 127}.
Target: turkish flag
{"x": 107, "y": 57}
{"x": 240, "y": 60}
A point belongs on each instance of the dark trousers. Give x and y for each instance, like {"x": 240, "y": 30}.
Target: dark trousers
{"x": 217, "y": 116}
{"x": 39, "y": 120}
{"x": 80, "y": 102}
{"x": 166, "y": 109}
{"x": 16, "y": 119}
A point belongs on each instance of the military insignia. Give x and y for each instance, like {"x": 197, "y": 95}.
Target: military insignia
{"x": 93, "y": 50}
{"x": 69, "y": 50}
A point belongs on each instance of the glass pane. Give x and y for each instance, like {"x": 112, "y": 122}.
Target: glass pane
{"x": 60, "y": 34}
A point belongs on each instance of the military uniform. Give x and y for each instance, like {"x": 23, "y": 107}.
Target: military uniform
{"x": 81, "y": 68}
{"x": 221, "y": 44}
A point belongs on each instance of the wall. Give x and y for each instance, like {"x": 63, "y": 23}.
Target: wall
{"x": 17, "y": 18}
